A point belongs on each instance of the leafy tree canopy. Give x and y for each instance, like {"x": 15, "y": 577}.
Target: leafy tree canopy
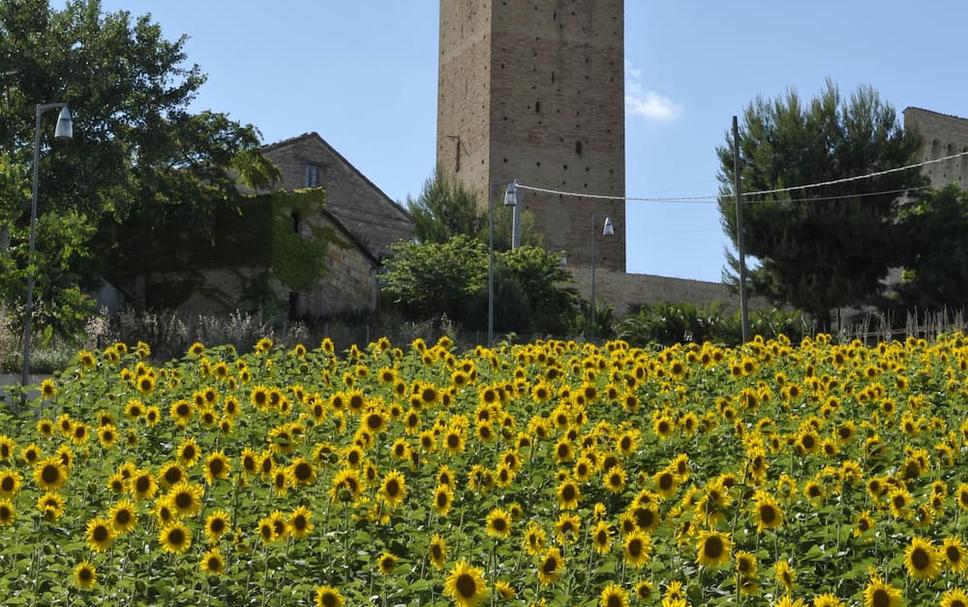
{"x": 139, "y": 157}
{"x": 819, "y": 254}
{"x": 937, "y": 228}
{"x": 445, "y": 208}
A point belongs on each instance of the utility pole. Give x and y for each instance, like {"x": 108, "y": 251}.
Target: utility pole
{"x": 490, "y": 264}
{"x": 738, "y": 195}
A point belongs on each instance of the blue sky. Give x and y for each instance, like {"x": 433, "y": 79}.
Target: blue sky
{"x": 364, "y": 76}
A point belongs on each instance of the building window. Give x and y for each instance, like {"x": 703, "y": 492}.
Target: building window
{"x": 312, "y": 176}
{"x": 578, "y": 147}
{"x": 537, "y": 107}
{"x": 296, "y": 223}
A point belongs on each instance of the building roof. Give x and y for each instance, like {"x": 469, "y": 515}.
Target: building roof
{"x": 314, "y": 136}
{"x": 926, "y": 111}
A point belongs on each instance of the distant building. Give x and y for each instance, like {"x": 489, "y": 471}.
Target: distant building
{"x": 310, "y": 248}
{"x": 374, "y": 219}
{"x": 941, "y": 135}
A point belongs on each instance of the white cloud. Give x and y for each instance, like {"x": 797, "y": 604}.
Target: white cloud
{"x": 647, "y": 103}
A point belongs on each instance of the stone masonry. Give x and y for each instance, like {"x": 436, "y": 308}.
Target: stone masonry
{"x": 941, "y": 135}
{"x": 535, "y": 91}
{"x": 372, "y": 216}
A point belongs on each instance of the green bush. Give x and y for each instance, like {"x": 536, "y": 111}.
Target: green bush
{"x": 668, "y": 324}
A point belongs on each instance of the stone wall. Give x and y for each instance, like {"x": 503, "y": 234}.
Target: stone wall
{"x": 941, "y": 135}
{"x": 373, "y": 218}
{"x": 348, "y": 284}
{"x": 535, "y": 91}
{"x": 623, "y": 291}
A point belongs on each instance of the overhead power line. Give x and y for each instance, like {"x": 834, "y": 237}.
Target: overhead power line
{"x": 709, "y": 199}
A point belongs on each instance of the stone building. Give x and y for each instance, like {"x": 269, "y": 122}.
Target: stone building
{"x": 941, "y": 135}
{"x": 535, "y": 91}
{"x": 309, "y": 248}
{"x": 374, "y": 219}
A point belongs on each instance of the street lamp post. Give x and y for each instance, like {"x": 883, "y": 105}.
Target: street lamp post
{"x": 510, "y": 200}
{"x": 607, "y": 230}
{"x": 63, "y": 131}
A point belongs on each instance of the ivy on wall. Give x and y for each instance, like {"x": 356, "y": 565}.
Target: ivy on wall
{"x": 257, "y": 244}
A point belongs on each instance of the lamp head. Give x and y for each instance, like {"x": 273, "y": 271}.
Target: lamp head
{"x": 65, "y": 125}
{"x": 511, "y": 195}
{"x": 609, "y": 228}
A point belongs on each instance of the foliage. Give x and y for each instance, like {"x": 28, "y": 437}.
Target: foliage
{"x": 831, "y": 462}
{"x": 819, "y": 254}
{"x": 445, "y": 208}
{"x": 428, "y": 279}
{"x": 138, "y": 160}
{"x": 936, "y": 226}
{"x": 532, "y": 291}
{"x": 667, "y": 324}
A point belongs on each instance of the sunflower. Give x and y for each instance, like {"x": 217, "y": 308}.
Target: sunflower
{"x": 142, "y": 485}
{"x": 386, "y": 562}
{"x": 504, "y": 590}
{"x": 644, "y": 591}
{"x": 746, "y": 564}
{"x": 100, "y": 534}
{"x": 550, "y": 566}
{"x": 188, "y": 453}
{"x": 637, "y": 549}
{"x": 498, "y": 524}
{"x": 534, "y": 539}
{"x": 216, "y": 525}
{"x": 921, "y": 559}
{"x": 865, "y": 522}
{"x": 217, "y": 467}
{"x": 437, "y": 551}
{"x": 175, "y": 538}
{"x": 602, "y": 537}
{"x": 300, "y": 523}
{"x": 879, "y": 593}
{"x": 956, "y": 597}
{"x": 345, "y": 486}
{"x": 85, "y": 575}
{"x": 569, "y": 494}
{"x": 124, "y": 516}
{"x": 962, "y": 496}
{"x": 327, "y": 596}
{"x": 185, "y": 499}
{"x": 613, "y": 595}
{"x": 567, "y": 527}
{"x": 10, "y": 481}
{"x": 171, "y": 474}
{"x": 212, "y": 562}
{"x": 266, "y": 530}
{"x": 827, "y": 600}
{"x": 714, "y": 549}
{"x": 51, "y": 506}
{"x": 953, "y": 554}
{"x": 465, "y": 585}
{"x": 393, "y": 490}
{"x": 7, "y": 512}
{"x": 614, "y": 479}
{"x": 443, "y": 499}
{"x": 50, "y": 474}
{"x": 766, "y": 511}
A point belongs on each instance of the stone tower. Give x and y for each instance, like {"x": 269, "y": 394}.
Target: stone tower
{"x": 534, "y": 90}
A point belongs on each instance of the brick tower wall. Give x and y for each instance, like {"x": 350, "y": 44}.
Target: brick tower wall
{"x": 540, "y": 85}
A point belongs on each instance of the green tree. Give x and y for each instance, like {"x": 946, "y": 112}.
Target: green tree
{"x": 937, "y": 260}
{"x": 139, "y": 157}
{"x": 819, "y": 254}
{"x": 445, "y": 208}
{"x": 429, "y": 279}
{"x": 546, "y": 286}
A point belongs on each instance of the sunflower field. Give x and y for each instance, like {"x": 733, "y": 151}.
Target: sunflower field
{"x": 553, "y": 473}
